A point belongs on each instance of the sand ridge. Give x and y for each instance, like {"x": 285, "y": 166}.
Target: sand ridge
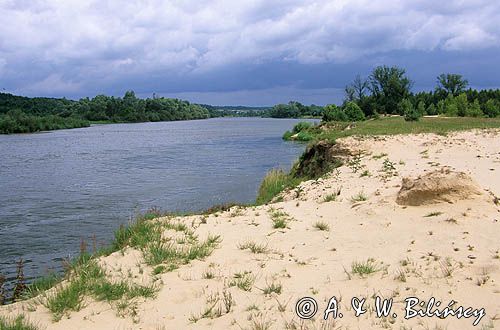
{"x": 333, "y": 226}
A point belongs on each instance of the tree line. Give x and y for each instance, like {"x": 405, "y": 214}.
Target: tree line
{"x": 23, "y": 115}
{"x": 387, "y": 91}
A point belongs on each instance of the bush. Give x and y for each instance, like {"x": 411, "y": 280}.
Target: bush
{"x": 474, "y": 110}
{"x": 334, "y": 113}
{"x": 301, "y": 126}
{"x": 409, "y": 111}
{"x": 492, "y": 108}
{"x": 354, "y": 112}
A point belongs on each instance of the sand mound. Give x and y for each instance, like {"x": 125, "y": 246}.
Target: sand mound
{"x": 437, "y": 186}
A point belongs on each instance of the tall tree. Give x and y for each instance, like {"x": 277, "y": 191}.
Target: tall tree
{"x": 389, "y": 86}
{"x": 356, "y": 90}
{"x": 451, "y": 84}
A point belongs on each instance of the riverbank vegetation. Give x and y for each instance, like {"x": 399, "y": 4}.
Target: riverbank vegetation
{"x": 23, "y": 115}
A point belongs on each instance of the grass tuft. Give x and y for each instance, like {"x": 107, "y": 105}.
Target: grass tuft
{"x": 364, "y": 268}
{"x": 17, "y": 323}
{"x": 321, "y": 225}
{"x": 273, "y": 184}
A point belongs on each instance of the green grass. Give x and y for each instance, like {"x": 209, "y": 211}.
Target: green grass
{"x": 243, "y": 281}
{"x": 274, "y": 183}
{"x": 322, "y": 226}
{"x": 253, "y": 247}
{"x": 17, "y": 323}
{"x": 88, "y": 279}
{"x": 279, "y": 218}
{"x": 273, "y": 288}
{"x": 364, "y": 268}
{"x": 330, "y": 198}
{"x": 397, "y": 125}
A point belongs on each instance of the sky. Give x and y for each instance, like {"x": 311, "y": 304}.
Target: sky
{"x": 240, "y": 52}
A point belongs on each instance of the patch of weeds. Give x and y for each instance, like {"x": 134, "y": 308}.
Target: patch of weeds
{"x": 389, "y": 168}
{"x": 216, "y": 306}
{"x": 279, "y": 218}
{"x": 17, "y": 323}
{"x": 243, "y": 281}
{"x": 364, "y": 268}
{"x": 433, "y": 214}
{"x": 208, "y": 274}
{"x": 447, "y": 267}
{"x": 272, "y": 288}
{"x": 253, "y": 247}
{"x": 159, "y": 252}
{"x": 355, "y": 163}
{"x": 159, "y": 269}
{"x": 322, "y": 226}
{"x": 359, "y": 197}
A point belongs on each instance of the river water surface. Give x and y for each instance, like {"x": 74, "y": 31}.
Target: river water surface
{"x": 59, "y": 187}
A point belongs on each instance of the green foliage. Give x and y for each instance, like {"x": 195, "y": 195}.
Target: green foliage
{"x": 300, "y": 132}
{"x": 409, "y": 111}
{"x": 389, "y": 86}
{"x": 462, "y": 104}
{"x": 295, "y": 110}
{"x": 364, "y": 268}
{"x": 334, "y": 113}
{"x": 23, "y": 115}
{"x": 431, "y": 110}
{"x": 492, "y": 108}
{"x": 474, "y": 110}
{"x": 453, "y": 84}
{"x": 353, "y": 112}
{"x": 301, "y": 126}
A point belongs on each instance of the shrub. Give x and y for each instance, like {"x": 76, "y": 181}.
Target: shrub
{"x": 474, "y": 110}
{"x": 354, "y": 112}
{"x": 492, "y": 108}
{"x": 334, "y": 113}
{"x": 409, "y": 111}
{"x": 303, "y": 125}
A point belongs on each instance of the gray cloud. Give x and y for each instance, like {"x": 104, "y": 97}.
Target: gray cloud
{"x": 76, "y": 48}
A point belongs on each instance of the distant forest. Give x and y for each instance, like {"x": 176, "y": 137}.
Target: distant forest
{"x": 22, "y": 114}
{"x": 387, "y": 90}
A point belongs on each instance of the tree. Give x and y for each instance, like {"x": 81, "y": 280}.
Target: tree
{"x": 390, "y": 86}
{"x": 356, "y": 90}
{"x": 353, "y": 112}
{"x": 453, "y": 84}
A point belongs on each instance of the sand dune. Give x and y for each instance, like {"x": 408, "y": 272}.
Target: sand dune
{"x": 335, "y": 228}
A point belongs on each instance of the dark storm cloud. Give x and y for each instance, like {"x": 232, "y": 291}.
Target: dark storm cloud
{"x": 229, "y": 48}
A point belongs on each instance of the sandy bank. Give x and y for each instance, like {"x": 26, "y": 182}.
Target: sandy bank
{"x": 447, "y": 250}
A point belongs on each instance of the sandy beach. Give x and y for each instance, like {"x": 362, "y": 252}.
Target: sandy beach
{"x": 351, "y": 234}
